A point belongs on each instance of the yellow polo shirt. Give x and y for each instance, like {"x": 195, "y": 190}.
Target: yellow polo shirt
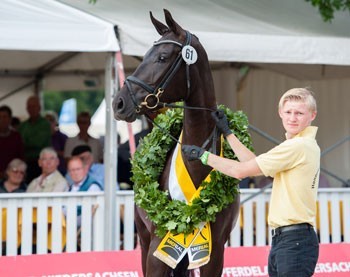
{"x": 295, "y": 167}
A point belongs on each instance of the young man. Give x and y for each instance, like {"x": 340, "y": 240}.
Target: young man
{"x": 295, "y": 167}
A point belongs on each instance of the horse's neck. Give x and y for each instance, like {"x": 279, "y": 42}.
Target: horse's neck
{"x": 198, "y": 124}
{"x": 197, "y": 128}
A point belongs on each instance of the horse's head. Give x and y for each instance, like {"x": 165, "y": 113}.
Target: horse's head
{"x": 164, "y": 75}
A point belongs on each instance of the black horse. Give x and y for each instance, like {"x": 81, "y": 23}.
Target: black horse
{"x": 165, "y": 76}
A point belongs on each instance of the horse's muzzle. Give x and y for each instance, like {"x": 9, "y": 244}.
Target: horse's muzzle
{"x": 123, "y": 110}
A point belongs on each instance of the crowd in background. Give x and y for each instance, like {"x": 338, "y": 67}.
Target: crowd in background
{"x": 37, "y": 157}
{"x": 35, "y": 154}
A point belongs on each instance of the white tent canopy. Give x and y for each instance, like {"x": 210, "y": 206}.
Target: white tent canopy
{"x": 264, "y": 31}
{"x": 39, "y": 25}
{"x": 39, "y": 39}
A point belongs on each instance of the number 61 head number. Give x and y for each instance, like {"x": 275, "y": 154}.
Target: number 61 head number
{"x": 189, "y": 54}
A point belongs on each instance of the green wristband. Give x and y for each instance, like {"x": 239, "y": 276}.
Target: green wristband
{"x": 204, "y": 158}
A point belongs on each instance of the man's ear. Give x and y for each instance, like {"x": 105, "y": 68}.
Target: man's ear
{"x": 313, "y": 116}
{"x": 280, "y": 113}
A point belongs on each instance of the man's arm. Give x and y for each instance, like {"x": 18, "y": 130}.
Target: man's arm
{"x": 232, "y": 168}
{"x": 228, "y": 167}
{"x": 241, "y": 151}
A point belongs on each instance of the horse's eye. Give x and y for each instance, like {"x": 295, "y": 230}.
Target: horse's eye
{"x": 161, "y": 59}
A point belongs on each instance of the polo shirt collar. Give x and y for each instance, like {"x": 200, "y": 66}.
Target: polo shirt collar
{"x": 309, "y": 131}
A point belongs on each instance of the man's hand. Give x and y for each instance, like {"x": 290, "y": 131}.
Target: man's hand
{"x": 192, "y": 152}
{"x": 221, "y": 122}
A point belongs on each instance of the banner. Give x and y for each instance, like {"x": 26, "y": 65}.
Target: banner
{"x": 334, "y": 261}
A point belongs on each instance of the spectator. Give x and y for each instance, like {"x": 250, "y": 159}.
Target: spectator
{"x": 81, "y": 180}
{"x": 124, "y": 164}
{"x": 84, "y": 122}
{"x": 58, "y": 140}
{"x": 50, "y": 180}
{"x": 95, "y": 170}
{"x": 15, "y": 122}
{"x": 14, "y": 177}
{"x": 36, "y": 135}
{"x": 11, "y": 144}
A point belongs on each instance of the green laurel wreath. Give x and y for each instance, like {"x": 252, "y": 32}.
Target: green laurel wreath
{"x": 147, "y": 166}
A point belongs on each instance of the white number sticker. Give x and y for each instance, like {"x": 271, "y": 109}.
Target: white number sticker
{"x": 189, "y": 54}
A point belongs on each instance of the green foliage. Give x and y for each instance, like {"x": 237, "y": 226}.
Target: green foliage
{"x": 86, "y": 100}
{"x": 148, "y": 164}
{"x": 328, "y": 7}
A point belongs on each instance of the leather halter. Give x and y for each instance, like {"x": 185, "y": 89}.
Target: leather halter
{"x": 154, "y": 93}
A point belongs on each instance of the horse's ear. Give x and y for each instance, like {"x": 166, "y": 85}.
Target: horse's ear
{"x": 160, "y": 27}
{"x": 176, "y": 28}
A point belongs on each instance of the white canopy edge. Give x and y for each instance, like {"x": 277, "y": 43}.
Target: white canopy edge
{"x": 243, "y": 47}
{"x": 259, "y": 31}
{"x": 42, "y": 25}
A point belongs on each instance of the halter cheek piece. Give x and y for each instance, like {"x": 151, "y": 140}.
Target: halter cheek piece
{"x": 151, "y": 100}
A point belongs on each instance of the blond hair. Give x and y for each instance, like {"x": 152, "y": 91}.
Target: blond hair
{"x": 304, "y": 95}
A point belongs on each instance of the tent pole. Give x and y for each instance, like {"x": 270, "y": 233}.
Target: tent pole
{"x": 110, "y": 159}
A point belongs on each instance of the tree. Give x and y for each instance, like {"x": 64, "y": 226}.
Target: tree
{"x": 86, "y": 100}
{"x": 328, "y": 7}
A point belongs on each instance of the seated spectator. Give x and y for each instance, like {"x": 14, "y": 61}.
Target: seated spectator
{"x": 81, "y": 180}
{"x": 11, "y": 144}
{"x": 14, "y": 177}
{"x": 58, "y": 140}
{"x": 50, "y": 180}
{"x": 36, "y": 135}
{"x": 95, "y": 170}
{"x": 84, "y": 122}
{"x": 15, "y": 122}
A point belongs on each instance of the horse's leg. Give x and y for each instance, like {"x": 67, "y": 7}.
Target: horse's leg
{"x": 144, "y": 236}
{"x": 220, "y": 230}
{"x": 151, "y": 266}
{"x": 155, "y": 267}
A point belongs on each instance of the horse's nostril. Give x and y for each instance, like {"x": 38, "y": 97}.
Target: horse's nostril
{"x": 120, "y": 104}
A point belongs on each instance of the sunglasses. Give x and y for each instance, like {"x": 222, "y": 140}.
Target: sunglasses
{"x": 15, "y": 170}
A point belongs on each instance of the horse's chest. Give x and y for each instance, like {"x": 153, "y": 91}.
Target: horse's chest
{"x": 196, "y": 172}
